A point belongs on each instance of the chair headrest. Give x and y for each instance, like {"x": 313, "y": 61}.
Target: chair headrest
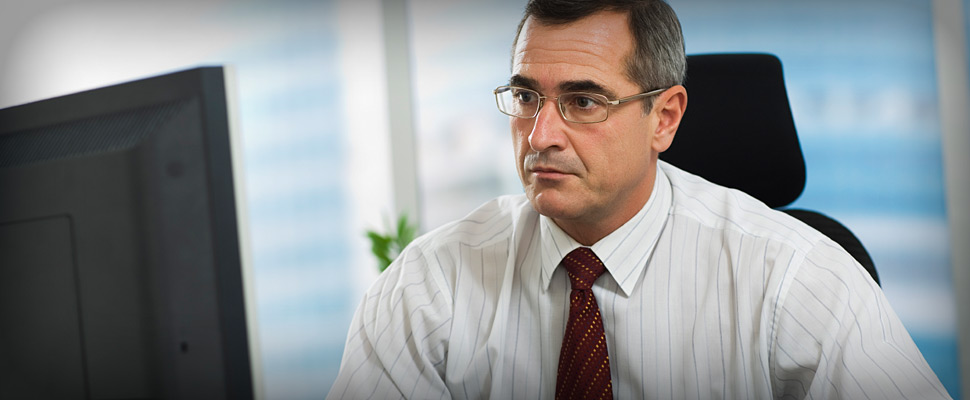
{"x": 738, "y": 129}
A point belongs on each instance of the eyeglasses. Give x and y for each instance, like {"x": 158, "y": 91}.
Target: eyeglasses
{"x": 578, "y": 107}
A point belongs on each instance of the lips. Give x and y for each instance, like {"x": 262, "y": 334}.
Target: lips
{"x": 546, "y": 170}
{"x": 543, "y": 166}
{"x": 548, "y": 173}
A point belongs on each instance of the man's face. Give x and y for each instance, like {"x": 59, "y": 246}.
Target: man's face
{"x": 589, "y": 178}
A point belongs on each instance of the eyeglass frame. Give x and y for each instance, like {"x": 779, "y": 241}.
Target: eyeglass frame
{"x": 562, "y": 111}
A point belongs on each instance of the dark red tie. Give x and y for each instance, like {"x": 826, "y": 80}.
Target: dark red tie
{"x": 584, "y": 364}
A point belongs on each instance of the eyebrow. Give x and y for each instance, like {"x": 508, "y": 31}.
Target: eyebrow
{"x": 567, "y": 86}
{"x": 586, "y": 86}
{"x": 521, "y": 81}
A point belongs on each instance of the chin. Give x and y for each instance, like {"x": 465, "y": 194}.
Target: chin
{"x": 552, "y": 205}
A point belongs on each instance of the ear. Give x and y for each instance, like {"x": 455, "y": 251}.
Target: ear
{"x": 669, "y": 107}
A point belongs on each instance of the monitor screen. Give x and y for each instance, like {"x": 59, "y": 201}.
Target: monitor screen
{"x": 122, "y": 254}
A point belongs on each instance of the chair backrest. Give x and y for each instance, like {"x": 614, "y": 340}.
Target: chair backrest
{"x": 738, "y": 129}
{"x": 738, "y": 132}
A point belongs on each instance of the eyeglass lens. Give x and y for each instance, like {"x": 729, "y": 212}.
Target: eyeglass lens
{"x": 575, "y": 107}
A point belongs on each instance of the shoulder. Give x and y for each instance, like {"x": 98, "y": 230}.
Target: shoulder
{"x": 438, "y": 256}
{"x": 819, "y": 303}
{"x": 494, "y": 221}
{"x": 733, "y": 211}
{"x": 791, "y": 249}
{"x": 809, "y": 257}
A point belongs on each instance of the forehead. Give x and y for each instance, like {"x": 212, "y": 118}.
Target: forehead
{"x": 591, "y": 49}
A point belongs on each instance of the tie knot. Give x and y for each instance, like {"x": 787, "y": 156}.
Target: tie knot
{"x": 584, "y": 267}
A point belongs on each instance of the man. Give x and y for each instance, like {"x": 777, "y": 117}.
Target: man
{"x": 697, "y": 291}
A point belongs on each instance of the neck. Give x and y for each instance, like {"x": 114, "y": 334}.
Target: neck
{"x": 590, "y": 229}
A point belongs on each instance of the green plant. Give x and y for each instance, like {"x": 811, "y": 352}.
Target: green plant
{"x": 386, "y": 247}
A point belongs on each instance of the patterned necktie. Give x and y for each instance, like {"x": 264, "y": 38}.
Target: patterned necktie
{"x": 584, "y": 364}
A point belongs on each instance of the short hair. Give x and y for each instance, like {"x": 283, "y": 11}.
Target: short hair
{"x": 658, "y": 58}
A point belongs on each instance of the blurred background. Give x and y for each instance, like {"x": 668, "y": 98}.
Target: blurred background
{"x": 330, "y": 141}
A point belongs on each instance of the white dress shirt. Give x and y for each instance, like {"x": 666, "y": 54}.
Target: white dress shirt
{"x": 709, "y": 294}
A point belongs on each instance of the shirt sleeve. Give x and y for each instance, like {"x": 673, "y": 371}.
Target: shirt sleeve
{"x": 397, "y": 342}
{"x": 835, "y": 336}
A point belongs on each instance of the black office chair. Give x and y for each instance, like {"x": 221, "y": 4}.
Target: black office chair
{"x": 738, "y": 132}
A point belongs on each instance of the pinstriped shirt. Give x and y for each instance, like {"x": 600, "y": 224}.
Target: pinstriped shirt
{"x": 708, "y": 294}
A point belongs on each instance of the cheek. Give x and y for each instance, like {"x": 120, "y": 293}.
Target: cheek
{"x": 624, "y": 149}
{"x": 520, "y": 136}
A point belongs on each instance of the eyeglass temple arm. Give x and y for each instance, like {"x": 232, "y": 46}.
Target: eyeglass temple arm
{"x": 636, "y": 96}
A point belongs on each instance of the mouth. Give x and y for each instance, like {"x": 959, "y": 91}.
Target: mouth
{"x": 547, "y": 173}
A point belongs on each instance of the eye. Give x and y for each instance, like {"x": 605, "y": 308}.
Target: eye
{"x": 524, "y": 96}
{"x": 584, "y": 102}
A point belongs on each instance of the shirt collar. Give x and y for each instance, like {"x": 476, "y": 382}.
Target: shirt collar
{"x": 625, "y": 251}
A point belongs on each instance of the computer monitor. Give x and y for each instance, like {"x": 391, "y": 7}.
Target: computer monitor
{"x": 121, "y": 255}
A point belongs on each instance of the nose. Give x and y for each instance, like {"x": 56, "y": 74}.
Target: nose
{"x": 549, "y": 129}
